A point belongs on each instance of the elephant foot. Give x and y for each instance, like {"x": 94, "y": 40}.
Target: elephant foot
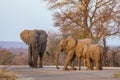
{"x": 31, "y": 66}
{"x": 66, "y": 69}
{"x": 101, "y": 68}
{"x": 70, "y": 69}
{"x": 57, "y": 67}
{"x": 73, "y": 68}
{"x": 34, "y": 66}
{"x": 40, "y": 66}
{"x": 98, "y": 69}
{"x": 90, "y": 69}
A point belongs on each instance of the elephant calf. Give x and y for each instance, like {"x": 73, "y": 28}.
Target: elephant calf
{"x": 94, "y": 54}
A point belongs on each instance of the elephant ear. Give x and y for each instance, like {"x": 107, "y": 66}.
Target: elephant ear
{"x": 70, "y": 43}
{"x": 25, "y": 36}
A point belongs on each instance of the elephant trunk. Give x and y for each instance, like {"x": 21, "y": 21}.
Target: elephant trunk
{"x": 57, "y": 57}
{"x": 57, "y": 60}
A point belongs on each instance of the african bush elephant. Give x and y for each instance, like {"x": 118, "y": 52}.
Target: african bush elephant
{"x": 36, "y": 41}
{"x": 93, "y": 54}
{"x": 72, "y": 47}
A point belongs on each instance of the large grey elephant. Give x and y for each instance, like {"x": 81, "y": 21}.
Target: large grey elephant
{"x": 72, "y": 46}
{"x": 36, "y": 41}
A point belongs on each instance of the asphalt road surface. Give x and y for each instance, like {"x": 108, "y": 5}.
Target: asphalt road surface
{"x": 51, "y": 73}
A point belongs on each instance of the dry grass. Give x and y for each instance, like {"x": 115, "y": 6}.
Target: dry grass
{"x": 116, "y": 75}
{"x": 6, "y": 74}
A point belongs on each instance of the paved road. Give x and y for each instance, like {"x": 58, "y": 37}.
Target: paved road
{"x": 51, "y": 73}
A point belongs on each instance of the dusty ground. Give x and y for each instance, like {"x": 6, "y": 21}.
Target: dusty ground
{"x": 51, "y": 73}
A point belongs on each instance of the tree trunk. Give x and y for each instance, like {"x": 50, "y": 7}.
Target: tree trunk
{"x": 104, "y": 51}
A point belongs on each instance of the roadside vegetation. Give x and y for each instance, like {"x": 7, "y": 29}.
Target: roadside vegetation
{"x": 116, "y": 75}
{"x": 19, "y": 56}
{"x": 6, "y": 74}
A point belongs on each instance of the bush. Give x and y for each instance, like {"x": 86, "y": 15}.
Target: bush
{"x": 20, "y": 59}
{"x": 116, "y": 75}
{"x": 6, "y": 74}
{"x": 5, "y": 57}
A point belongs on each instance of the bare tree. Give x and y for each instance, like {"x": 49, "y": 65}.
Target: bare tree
{"x": 53, "y": 40}
{"x": 97, "y": 19}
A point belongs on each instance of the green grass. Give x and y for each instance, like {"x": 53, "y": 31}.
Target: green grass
{"x": 116, "y": 75}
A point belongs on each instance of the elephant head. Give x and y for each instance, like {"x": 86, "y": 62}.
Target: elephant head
{"x": 65, "y": 45}
{"x": 36, "y": 41}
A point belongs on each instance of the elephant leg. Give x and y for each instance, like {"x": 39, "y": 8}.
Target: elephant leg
{"x": 91, "y": 64}
{"x": 101, "y": 65}
{"x": 79, "y": 63}
{"x": 88, "y": 64}
{"x": 30, "y": 62}
{"x": 97, "y": 65}
{"x": 35, "y": 59}
{"x": 40, "y": 62}
{"x": 68, "y": 58}
{"x": 72, "y": 63}
{"x": 85, "y": 61}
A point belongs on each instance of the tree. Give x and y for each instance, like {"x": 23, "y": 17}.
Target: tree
{"x": 97, "y": 19}
{"x": 53, "y": 41}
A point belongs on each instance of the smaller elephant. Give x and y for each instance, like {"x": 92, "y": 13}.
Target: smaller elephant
{"x": 94, "y": 54}
{"x": 72, "y": 47}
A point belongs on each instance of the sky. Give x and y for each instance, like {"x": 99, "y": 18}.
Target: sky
{"x": 18, "y": 15}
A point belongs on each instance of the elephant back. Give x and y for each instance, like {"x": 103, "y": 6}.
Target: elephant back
{"x": 42, "y": 36}
{"x": 95, "y": 50}
{"x": 82, "y": 46}
{"x": 42, "y": 40}
{"x": 38, "y": 37}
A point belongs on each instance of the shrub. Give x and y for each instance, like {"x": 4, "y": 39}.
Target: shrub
{"x": 6, "y": 74}
{"x": 116, "y": 75}
{"x": 5, "y": 57}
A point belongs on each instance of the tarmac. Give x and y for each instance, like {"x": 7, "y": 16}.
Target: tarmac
{"x": 51, "y": 73}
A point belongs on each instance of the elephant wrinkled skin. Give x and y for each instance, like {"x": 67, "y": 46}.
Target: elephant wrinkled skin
{"x": 94, "y": 54}
{"x": 72, "y": 46}
{"x": 36, "y": 41}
